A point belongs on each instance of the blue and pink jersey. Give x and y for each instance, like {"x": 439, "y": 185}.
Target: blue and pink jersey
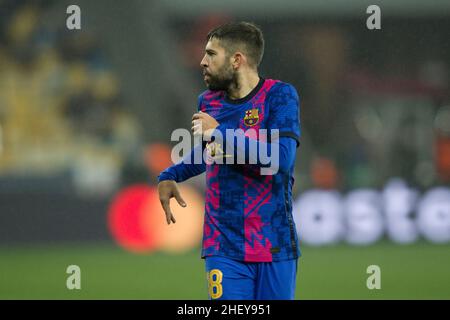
{"x": 248, "y": 216}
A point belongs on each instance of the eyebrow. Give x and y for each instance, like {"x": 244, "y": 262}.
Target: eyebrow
{"x": 210, "y": 51}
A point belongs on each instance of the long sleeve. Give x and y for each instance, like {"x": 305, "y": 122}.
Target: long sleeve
{"x": 185, "y": 169}
{"x": 280, "y": 153}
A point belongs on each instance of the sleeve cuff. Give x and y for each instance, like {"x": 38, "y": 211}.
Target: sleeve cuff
{"x": 289, "y": 134}
{"x": 166, "y": 176}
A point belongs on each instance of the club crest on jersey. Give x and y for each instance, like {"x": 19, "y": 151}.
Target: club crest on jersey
{"x": 251, "y": 117}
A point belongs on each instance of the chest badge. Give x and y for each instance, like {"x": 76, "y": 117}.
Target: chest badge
{"x": 251, "y": 117}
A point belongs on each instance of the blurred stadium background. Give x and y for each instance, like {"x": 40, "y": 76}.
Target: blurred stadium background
{"x": 85, "y": 123}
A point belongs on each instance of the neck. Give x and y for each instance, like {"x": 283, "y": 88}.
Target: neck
{"x": 245, "y": 84}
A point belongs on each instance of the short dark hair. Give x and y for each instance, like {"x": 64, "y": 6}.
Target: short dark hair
{"x": 235, "y": 34}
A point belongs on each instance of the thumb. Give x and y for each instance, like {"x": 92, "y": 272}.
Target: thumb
{"x": 179, "y": 199}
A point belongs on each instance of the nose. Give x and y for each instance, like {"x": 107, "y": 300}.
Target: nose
{"x": 203, "y": 63}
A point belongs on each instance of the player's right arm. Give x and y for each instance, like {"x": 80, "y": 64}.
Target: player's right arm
{"x": 181, "y": 171}
{"x": 187, "y": 168}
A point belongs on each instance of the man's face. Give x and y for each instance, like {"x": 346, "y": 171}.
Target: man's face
{"x": 217, "y": 69}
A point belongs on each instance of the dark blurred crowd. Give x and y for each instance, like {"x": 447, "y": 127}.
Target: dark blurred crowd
{"x": 61, "y": 104}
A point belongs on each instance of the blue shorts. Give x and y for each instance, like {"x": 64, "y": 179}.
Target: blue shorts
{"x": 229, "y": 279}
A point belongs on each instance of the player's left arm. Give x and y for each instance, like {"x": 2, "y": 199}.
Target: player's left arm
{"x": 284, "y": 116}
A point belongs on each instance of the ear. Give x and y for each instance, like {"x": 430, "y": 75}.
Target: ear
{"x": 238, "y": 59}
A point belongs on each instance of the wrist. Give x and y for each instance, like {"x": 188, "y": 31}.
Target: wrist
{"x": 210, "y": 133}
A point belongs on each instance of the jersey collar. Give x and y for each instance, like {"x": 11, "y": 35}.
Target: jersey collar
{"x": 247, "y": 97}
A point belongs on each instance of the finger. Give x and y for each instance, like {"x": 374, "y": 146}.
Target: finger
{"x": 197, "y": 129}
{"x": 198, "y": 115}
{"x": 198, "y": 132}
{"x": 180, "y": 199}
{"x": 166, "y": 207}
{"x": 173, "y": 219}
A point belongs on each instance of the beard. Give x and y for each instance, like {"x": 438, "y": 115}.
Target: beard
{"x": 225, "y": 78}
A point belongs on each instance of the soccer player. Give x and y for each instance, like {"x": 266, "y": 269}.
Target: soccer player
{"x": 250, "y": 245}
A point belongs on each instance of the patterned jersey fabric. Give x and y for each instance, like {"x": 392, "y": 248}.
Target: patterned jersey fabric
{"x": 248, "y": 216}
